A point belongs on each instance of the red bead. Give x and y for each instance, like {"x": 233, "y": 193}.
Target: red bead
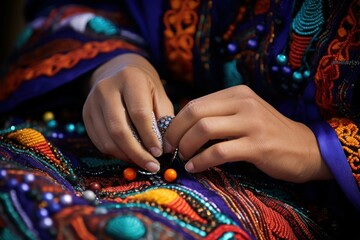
{"x": 95, "y": 186}
{"x": 129, "y": 174}
{"x": 170, "y": 175}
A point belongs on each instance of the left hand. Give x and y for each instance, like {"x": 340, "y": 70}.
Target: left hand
{"x": 251, "y": 130}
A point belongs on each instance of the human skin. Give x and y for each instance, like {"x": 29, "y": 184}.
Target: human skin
{"x": 127, "y": 89}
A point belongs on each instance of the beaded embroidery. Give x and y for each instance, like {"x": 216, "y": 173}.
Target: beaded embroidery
{"x": 349, "y": 137}
{"x": 180, "y": 27}
{"x": 52, "y": 65}
{"x": 328, "y": 71}
{"x": 98, "y": 198}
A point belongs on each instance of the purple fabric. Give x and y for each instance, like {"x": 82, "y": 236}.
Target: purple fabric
{"x": 148, "y": 16}
{"x": 44, "y": 84}
{"x": 334, "y": 156}
{"x": 187, "y": 180}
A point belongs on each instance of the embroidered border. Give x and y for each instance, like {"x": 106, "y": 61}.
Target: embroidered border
{"x": 349, "y": 137}
{"x": 180, "y": 26}
{"x": 52, "y": 65}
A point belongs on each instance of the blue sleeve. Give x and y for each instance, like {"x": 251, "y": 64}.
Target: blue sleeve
{"x": 61, "y": 42}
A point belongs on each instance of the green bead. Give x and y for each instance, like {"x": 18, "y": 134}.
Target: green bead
{"x": 72, "y": 178}
{"x": 281, "y": 59}
{"x": 125, "y": 227}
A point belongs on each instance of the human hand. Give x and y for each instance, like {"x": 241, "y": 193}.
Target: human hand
{"x": 126, "y": 91}
{"x": 250, "y": 130}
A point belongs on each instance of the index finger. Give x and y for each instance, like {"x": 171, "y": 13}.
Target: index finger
{"x": 189, "y": 115}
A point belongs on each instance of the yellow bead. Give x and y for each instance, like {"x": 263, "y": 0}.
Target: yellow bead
{"x": 170, "y": 175}
{"x": 48, "y": 116}
{"x": 129, "y": 174}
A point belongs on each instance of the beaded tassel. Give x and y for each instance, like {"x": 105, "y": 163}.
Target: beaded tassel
{"x": 305, "y": 25}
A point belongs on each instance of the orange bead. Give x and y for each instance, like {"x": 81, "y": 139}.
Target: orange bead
{"x": 129, "y": 174}
{"x": 170, "y": 175}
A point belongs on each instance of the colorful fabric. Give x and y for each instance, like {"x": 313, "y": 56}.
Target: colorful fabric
{"x": 55, "y": 185}
{"x": 300, "y": 56}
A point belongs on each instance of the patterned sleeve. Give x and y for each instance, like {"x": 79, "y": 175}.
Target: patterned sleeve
{"x": 61, "y": 42}
{"x": 338, "y": 96}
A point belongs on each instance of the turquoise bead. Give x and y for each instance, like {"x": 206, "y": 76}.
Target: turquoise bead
{"x": 103, "y": 26}
{"x": 306, "y": 74}
{"x": 297, "y": 76}
{"x": 52, "y": 123}
{"x": 70, "y": 127}
{"x": 125, "y": 227}
{"x": 281, "y": 59}
{"x": 232, "y": 77}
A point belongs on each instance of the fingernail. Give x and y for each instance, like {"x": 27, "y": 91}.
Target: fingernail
{"x": 152, "y": 167}
{"x": 155, "y": 151}
{"x": 167, "y": 147}
{"x": 189, "y": 167}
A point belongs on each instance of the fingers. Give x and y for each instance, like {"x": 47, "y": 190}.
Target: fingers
{"x": 140, "y": 105}
{"x": 108, "y": 127}
{"x": 190, "y": 114}
{"x": 211, "y": 129}
{"x": 140, "y": 109}
{"x": 220, "y": 153}
{"x": 117, "y": 127}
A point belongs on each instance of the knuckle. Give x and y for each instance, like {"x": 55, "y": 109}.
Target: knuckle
{"x": 219, "y": 151}
{"x": 192, "y": 108}
{"x": 116, "y": 132}
{"x": 204, "y": 126}
{"x": 250, "y": 103}
{"x": 138, "y": 113}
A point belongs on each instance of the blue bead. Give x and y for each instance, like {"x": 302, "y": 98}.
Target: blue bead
{"x": 46, "y": 222}
{"x": 281, "y": 59}
{"x": 29, "y": 178}
{"x": 54, "y": 135}
{"x": 53, "y": 207}
{"x": 232, "y": 48}
{"x": 252, "y": 43}
{"x": 48, "y": 196}
{"x": 24, "y": 187}
{"x": 42, "y": 212}
{"x": 286, "y": 70}
{"x": 12, "y": 183}
{"x": 275, "y": 69}
{"x": 52, "y": 123}
{"x": 66, "y": 199}
{"x": 260, "y": 28}
{"x": 3, "y": 174}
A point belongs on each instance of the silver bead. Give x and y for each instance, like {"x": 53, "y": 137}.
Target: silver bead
{"x": 89, "y": 195}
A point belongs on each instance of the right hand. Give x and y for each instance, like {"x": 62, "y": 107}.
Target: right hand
{"x": 126, "y": 91}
